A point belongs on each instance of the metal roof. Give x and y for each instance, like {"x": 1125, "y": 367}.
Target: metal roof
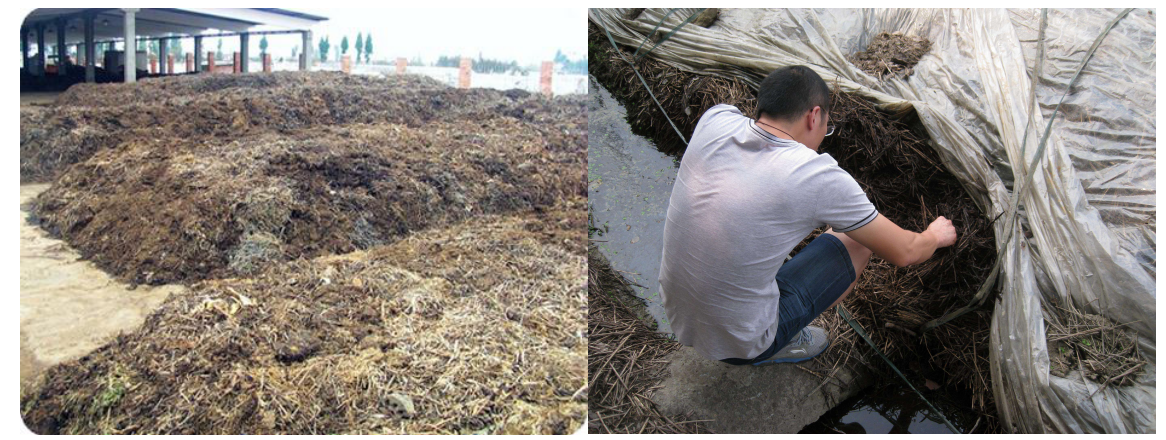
{"x": 161, "y": 22}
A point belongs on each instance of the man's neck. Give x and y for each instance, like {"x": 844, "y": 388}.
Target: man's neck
{"x": 783, "y": 130}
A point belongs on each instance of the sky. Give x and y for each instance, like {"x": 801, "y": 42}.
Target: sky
{"x": 526, "y": 35}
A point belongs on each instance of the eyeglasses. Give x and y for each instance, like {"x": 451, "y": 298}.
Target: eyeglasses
{"x": 829, "y": 130}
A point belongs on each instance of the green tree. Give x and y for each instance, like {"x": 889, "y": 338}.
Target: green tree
{"x": 481, "y": 65}
{"x": 344, "y": 45}
{"x": 367, "y": 47}
{"x": 296, "y": 52}
{"x": 324, "y": 45}
{"x": 263, "y": 45}
{"x": 359, "y": 46}
{"x": 569, "y": 66}
{"x": 219, "y": 51}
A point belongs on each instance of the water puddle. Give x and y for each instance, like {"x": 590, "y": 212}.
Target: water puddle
{"x": 894, "y": 409}
{"x": 628, "y": 186}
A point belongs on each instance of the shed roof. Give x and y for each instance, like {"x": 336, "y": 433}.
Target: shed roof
{"x": 161, "y": 22}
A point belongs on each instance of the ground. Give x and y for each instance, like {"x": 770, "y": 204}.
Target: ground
{"x": 69, "y": 307}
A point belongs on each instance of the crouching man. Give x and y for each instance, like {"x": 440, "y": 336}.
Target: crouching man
{"x": 747, "y": 192}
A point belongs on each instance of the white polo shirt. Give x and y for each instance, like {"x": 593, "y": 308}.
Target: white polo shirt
{"x": 742, "y": 200}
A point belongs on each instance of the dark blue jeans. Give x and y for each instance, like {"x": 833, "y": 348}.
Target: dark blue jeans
{"x": 809, "y": 282}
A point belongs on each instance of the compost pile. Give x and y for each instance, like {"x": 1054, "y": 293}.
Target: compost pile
{"x": 474, "y": 328}
{"x": 903, "y": 177}
{"x": 173, "y": 210}
{"x": 156, "y": 90}
{"x": 891, "y": 55}
{"x": 365, "y": 255}
{"x": 164, "y": 207}
{"x": 227, "y": 106}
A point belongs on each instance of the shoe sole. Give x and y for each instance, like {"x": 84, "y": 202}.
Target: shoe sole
{"x": 793, "y": 360}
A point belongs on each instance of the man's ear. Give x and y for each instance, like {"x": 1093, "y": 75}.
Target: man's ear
{"x": 812, "y": 118}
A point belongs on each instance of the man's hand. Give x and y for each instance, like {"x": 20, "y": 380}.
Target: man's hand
{"x": 900, "y": 247}
{"x": 943, "y": 231}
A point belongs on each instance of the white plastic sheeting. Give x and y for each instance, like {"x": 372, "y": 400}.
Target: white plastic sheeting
{"x": 1088, "y": 217}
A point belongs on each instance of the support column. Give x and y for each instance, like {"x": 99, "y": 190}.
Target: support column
{"x": 163, "y": 56}
{"x": 24, "y": 48}
{"x": 40, "y": 49}
{"x": 62, "y": 50}
{"x": 90, "y": 50}
{"x": 197, "y": 54}
{"x": 244, "y": 51}
{"x": 131, "y": 52}
{"x": 306, "y": 59}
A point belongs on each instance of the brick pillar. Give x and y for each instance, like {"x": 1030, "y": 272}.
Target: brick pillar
{"x": 210, "y": 61}
{"x": 170, "y": 63}
{"x": 266, "y": 63}
{"x": 153, "y": 64}
{"x": 189, "y": 62}
{"x": 463, "y": 78}
{"x": 401, "y": 64}
{"x": 346, "y": 64}
{"x": 544, "y": 79}
{"x": 238, "y": 63}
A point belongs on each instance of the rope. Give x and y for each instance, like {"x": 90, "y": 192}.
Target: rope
{"x": 658, "y": 24}
{"x": 645, "y": 83}
{"x": 669, "y": 34}
{"x": 981, "y": 294}
{"x": 858, "y": 329}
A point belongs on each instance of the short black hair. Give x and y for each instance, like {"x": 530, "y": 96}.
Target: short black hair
{"x": 791, "y": 91}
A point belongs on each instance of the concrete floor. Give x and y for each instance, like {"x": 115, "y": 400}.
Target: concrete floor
{"x": 769, "y": 399}
{"x": 69, "y": 307}
{"x": 38, "y": 98}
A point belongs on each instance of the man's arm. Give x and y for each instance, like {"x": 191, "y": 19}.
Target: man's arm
{"x": 901, "y": 247}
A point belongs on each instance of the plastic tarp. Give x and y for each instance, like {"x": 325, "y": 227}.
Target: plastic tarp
{"x": 1086, "y": 233}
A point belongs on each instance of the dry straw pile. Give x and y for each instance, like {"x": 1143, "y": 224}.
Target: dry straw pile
{"x": 891, "y": 55}
{"x": 1104, "y": 352}
{"x": 625, "y": 359}
{"x": 473, "y": 328}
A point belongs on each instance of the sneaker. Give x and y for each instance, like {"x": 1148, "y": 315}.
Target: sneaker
{"x": 810, "y": 342}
